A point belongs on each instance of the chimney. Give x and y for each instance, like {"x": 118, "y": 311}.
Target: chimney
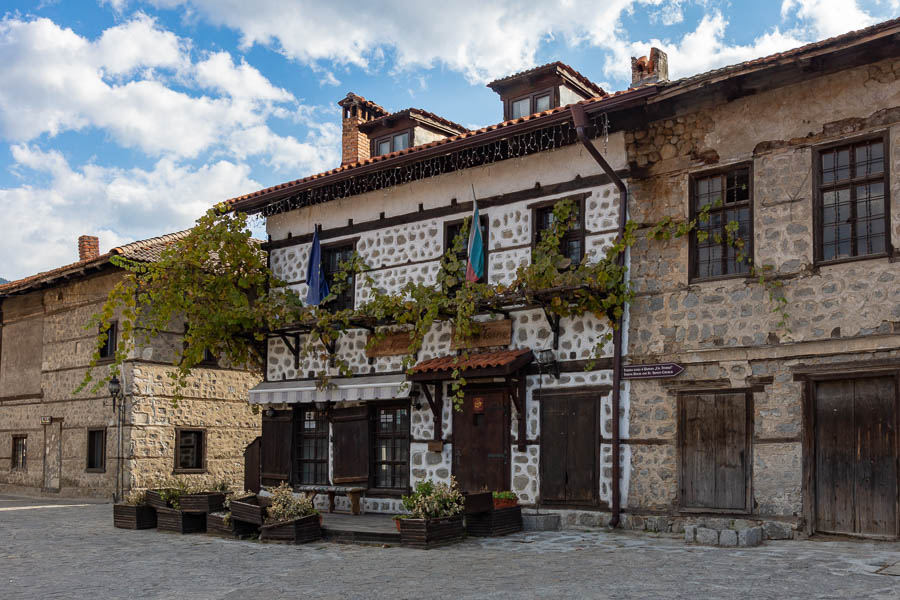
{"x": 88, "y": 247}
{"x": 354, "y": 143}
{"x": 652, "y": 70}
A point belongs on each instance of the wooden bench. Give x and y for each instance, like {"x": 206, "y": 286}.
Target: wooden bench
{"x": 352, "y": 493}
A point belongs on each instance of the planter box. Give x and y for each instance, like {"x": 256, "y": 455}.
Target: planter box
{"x": 216, "y": 524}
{"x": 126, "y": 516}
{"x": 504, "y": 503}
{"x": 502, "y": 521}
{"x": 251, "y": 509}
{"x": 479, "y": 502}
{"x": 205, "y": 502}
{"x": 431, "y": 533}
{"x": 169, "y": 519}
{"x": 155, "y": 500}
{"x": 297, "y": 531}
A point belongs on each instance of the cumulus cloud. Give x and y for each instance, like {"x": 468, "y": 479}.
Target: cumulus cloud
{"x": 828, "y": 18}
{"x": 43, "y": 222}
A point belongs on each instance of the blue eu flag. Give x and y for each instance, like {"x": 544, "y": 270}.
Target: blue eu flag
{"x": 315, "y": 274}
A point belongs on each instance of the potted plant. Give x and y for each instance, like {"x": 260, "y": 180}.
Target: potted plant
{"x": 167, "y": 500}
{"x": 290, "y": 518}
{"x": 134, "y": 512}
{"x": 224, "y": 522}
{"x": 435, "y": 515}
{"x": 505, "y": 500}
{"x": 250, "y": 508}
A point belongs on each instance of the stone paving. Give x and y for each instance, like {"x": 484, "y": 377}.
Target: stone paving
{"x": 59, "y": 549}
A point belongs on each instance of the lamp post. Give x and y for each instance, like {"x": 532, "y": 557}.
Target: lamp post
{"x": 115, "y": 390}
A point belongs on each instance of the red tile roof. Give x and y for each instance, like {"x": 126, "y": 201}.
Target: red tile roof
{"x": 144, "y": 251}
{"x": 557, "y": 65}
{"x": 482, "y": 360}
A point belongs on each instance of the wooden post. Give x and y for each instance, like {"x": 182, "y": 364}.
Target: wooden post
{"x": 438, "y": 410}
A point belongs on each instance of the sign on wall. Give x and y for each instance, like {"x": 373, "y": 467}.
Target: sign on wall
{"x": 651, "y": 371}
{"x": 492, "y": 333}
{"x": 393, "y": 344}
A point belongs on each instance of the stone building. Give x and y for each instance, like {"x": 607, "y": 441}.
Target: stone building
{"x": 54, "y": 440}
{"x": 785, "y": 418}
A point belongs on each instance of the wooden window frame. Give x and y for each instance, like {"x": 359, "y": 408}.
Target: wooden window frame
{"x": 13, "y": 466}
{"x": 376, "y": 435}
{"x": 108, "y": 351}
{"x": 204, "y": 439}
{"x": 300, "y": 435}
{"x": 333, "y": 247}
{"x": 693, "y": 243}
{"x": 87, "y": 463}
{"x": 817, "y": 188}
{"x": 209, "y": 359}
{"x": 580, "y": 234}
{"x": 748, "y": 457}
{"x": 448, "y": 241}
{"x": 390, "y": 137}
{"x": 532, "y": 97}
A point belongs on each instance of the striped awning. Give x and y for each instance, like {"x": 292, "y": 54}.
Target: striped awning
{"x": 343, "y": 389}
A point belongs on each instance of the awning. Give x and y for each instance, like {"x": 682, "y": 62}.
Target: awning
{"x": 483, "y": 364}
{"x": 342, "y": 389}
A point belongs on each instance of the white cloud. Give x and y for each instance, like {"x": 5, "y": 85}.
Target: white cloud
{"x": 43, "y": 222}
{"x": 828, "y": 18}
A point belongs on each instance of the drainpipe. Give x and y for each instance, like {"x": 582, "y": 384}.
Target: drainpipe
{"x": 579, "y": 119}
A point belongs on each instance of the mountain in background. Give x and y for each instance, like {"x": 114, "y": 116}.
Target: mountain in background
{"x": 4, "y": 280}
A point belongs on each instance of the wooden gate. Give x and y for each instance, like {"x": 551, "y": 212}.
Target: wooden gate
{"x": 251, "y": 465}
{"x": 714, "y": 434}
{"x": 856, "y": 456}
{"x": 481, "y": 441}
{"x": 570, "y": 448}
{"x": 52, "y": 455}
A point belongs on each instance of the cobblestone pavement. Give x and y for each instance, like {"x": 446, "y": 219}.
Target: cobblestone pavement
{"x": 63, "y": 549}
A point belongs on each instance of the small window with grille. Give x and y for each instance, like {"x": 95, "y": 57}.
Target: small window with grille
{"x": 312, "y": 454}
{"x": 572, "y": 243}
{"x": 391, "y": 456}
{"x": 190, "y": 450}
{"x": 726, "y": 195}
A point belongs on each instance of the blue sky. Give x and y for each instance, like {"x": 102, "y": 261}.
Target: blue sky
{"x": 127, "y": 119}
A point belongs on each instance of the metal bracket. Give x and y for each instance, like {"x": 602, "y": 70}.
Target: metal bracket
{"x": 293, "y": 348}
{"x": 553, "y": 321}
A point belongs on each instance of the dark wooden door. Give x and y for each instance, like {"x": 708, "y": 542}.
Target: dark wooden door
{"x": 715, "y": 450}
{"x": 856, "y": 456}
{"x": 569, "y": 449}
{"x": 481, "y": 442}
{"x": 276, "y": 444}
{"x": 251, "y": 465}
{"x": 350, "y": 434}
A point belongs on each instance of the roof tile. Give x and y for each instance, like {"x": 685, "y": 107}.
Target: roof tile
{"x": 482, "y": 360}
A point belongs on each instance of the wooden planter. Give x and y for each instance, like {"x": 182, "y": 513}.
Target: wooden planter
{"x": 478, "y": 502}
{"x": 217, "y": 524}
{"x": 497, "y": 522}
{"x": 126, "y": 516}
{"x": 505, "y": 503}
{"x": 431, "y": 533}
{"x": 205, "y": 502}
{"x": 297, "y": 531}
{"x": 251, "y": 509}
{"x": 154, "y": 499}
{"x": 169, "y": 519}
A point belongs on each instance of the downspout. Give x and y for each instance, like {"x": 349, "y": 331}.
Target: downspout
{"x": 579, "y": 119}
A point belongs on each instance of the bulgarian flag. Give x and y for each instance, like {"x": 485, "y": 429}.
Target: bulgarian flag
{"x": 475, "y": 267}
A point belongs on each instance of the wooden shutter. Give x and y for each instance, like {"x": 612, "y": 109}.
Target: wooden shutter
{"x": 350, "y": 435}
{"x": 715, "y": 448}
{"x": 251, "y": 465}
{"x": 569, "y": 448}
{"x": 275, "y": 463}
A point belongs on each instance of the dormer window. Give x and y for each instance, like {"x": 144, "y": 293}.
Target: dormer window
{"x": 392, "y": 143}
{"x": 543, "y": 88}
{"x": 533, "y": 103}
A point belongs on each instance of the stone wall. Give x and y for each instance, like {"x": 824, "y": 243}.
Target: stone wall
{"x": 725, "y": 331}
{"x": 51, "y": 335}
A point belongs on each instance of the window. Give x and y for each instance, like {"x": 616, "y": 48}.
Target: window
{"x": 189, "y": 450}
{"x": 728, "y": 196}
{"x": 332, "y": 259}
{"x": 533, "y": 103}
{"x": 392, "y": 143}
{"x": 572, "y": 243}
{"x": 391, "y": 448}
{"x": 96, "y": 449}
{"x": 109, "y": 348}
{"x": 451, "y": 230}
{"x": 851, "y": 200}
{"x": 19, "y": 453}
{"x": 209, "y": 359}
{"x": 312, "y": 455}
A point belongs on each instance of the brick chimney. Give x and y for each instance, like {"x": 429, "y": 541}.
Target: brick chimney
{"x": 88, "y": 247}
{"x": 649, "y": 70}
{"x": 354, "y": 143}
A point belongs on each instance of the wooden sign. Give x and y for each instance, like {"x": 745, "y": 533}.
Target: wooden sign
{"x": 393, "y": 344}
{"x": 492, "y": 333}
{"x": 651, "y": 371}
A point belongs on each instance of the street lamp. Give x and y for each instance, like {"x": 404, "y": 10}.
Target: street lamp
{"x": 115, "y": 388}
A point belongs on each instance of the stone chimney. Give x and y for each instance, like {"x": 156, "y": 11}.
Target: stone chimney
{"x": 354, "y": 143}
{"x": 649, "y": 70}
{"x": 88, "y": 247}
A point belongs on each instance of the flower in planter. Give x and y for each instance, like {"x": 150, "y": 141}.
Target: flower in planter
{"x": 434, "y": 500}
{"x": 135, "y": 498}
{"x": 285, "y": 506}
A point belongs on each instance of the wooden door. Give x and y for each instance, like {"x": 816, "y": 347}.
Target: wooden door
{"x": 856, "y": 456}
{"x": 275, "y": 450}
{"x": 715, "y": 449}
{"x": 52, "y": 455}
{"x": 251, "y": 465}
{"x": 481, "y": 442}
{"x": 350, "y": 435}
{"x": 569, "y": 449}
